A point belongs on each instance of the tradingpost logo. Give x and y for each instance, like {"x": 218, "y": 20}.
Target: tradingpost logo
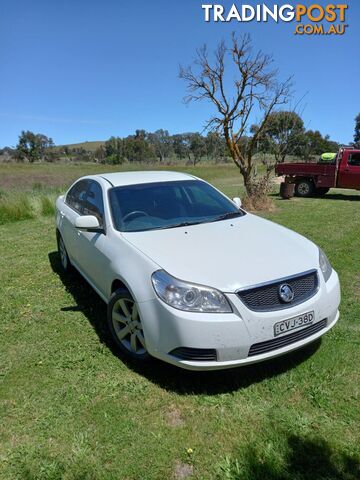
{"x": 314, "y": 19}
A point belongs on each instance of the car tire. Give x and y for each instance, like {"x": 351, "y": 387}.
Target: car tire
{"x": 64, "y": 257}
{"x": 125, "y": 326}
{"x": 304, "y": 188}
{"x": 321, "y": 191}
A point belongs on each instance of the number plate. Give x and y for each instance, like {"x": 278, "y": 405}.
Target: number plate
{"x": 293, "y": 323}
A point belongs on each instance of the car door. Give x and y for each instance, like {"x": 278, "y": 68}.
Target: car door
{"x": 349, "y": 176}
{"x": 92, "y": 257}
{"x": 70, "y": 209}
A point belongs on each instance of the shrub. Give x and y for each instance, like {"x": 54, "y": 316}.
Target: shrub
{"x": 261, "y": 203}
{"x": 114, "y": 160}
{"x": 14, "y": 209}
{"x": 47, "y": 206}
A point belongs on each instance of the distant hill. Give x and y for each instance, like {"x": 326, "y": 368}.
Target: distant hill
{"x": 89, "y": 146}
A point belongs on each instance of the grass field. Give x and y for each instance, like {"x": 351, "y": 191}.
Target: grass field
{"x": 71, "y": 409}
{"x": 26, "y": 190}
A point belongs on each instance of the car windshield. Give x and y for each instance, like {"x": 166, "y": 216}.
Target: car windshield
{"x": 161, "y": 205}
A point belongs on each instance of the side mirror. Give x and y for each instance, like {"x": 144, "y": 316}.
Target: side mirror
{"x": 89, "y": 223}
{"x": 237, "y": 202}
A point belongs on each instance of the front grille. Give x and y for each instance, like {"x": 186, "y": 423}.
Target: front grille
{"x": 275, "y": 343}
{"x": 266, "y": 297}
{"x": 195, "y": 354}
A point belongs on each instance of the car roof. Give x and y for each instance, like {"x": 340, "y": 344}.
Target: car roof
{"x": 117, "y": 179}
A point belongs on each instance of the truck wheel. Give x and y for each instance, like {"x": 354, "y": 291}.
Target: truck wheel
{"x": 305, "y": 188}
{"x": 321, "y": 191}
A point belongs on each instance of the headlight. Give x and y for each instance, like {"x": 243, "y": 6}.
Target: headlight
{"x": 188, "y": 296}
{"x": 325, "y": 266}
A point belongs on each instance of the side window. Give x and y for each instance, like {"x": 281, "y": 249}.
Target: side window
{"x": 93, "y": 203}
{"x": 76, "y": 196}
{"x": 354, "y": 159}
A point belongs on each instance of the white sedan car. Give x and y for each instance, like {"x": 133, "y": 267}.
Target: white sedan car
{"x": 188, "y": 276}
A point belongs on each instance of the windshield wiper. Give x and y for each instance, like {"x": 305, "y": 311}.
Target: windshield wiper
{"x": 165, "y": 227}
{"x": 181, "y": 224}
{"x": 227, "y": 215}
{"x": 188, "y": 224}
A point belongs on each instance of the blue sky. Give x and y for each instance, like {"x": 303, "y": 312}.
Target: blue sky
{"x": 85, "y": 70}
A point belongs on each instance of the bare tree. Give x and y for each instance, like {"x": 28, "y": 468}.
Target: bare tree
{"x": 254, "y": 91}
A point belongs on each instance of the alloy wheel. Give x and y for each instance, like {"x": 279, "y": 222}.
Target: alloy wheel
{"x": 127, "y": 325}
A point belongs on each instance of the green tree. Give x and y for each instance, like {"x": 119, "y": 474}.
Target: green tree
{"x": 357, "y": 131}
{"x": 281, "y": 134}
{"x": 100, "y": 154}
{"x": 313, "y": 143}
{"x": 181, "y": 146}
{"x": 162, "y": 143}
{"x": 33, "y": 146}
{"x": 197, "y": 147}
{"x": 137, "y": 148}
{"x": 330, "y": 145}
{"x": 215, "y": 146}
{"x": 114, "y": 150}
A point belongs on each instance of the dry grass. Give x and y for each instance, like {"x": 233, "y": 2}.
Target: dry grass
{"x": 183, "y": 471}
{"x": 173, "y": 417}
{"x": 260, "y": 203}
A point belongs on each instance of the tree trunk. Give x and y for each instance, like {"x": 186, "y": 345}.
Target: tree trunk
{"x": 249, "y": 185}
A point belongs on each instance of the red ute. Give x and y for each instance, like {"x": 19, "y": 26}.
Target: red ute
{"x": 318, "y": 178}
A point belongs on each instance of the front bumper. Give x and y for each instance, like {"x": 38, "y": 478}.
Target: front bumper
{"x": 231, "y": 335}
